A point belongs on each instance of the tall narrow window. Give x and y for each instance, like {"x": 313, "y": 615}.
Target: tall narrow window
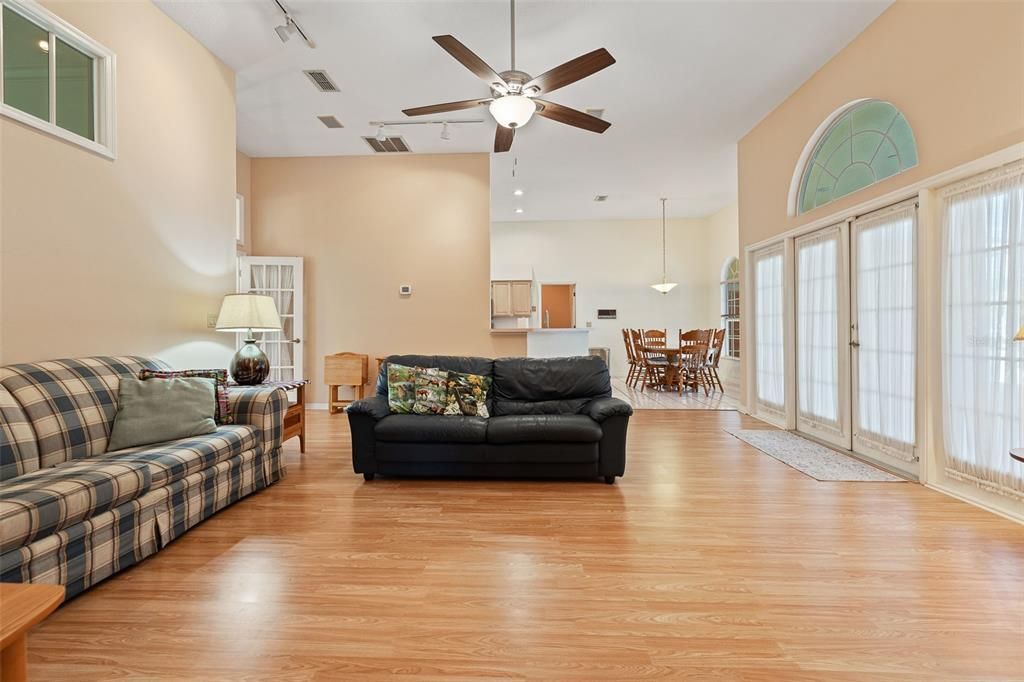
{"x": 54, "y": 78}
{"x": 769, "y": 356}
{"x": 983, "y": 305}
{"x": 731, "y": 306}
{"x": 817, "y": 334}
{"x": 884, "y": 294}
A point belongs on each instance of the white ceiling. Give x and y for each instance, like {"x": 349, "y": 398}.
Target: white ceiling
{"x": 691, "y": 79}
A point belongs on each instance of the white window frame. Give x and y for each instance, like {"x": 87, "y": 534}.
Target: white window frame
{"x": 726, "y": 318}
{"x": 104, "y": 69}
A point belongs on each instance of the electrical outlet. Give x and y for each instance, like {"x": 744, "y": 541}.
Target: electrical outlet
{"x": 211, "y": 320}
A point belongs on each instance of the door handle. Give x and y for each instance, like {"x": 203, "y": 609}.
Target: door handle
{"x": 295, "y": 341}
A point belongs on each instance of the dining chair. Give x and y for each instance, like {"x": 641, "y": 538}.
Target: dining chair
{"x": 691, "y": 368}
{"x": 634, "y": 364}
{"x": 714, "y": 355}
{"x": 653, "y": 365}
{"x": 655, "y": 337}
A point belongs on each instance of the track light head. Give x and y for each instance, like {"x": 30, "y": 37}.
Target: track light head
{"x": 381, "y": 135}
{"x": 445, "y": 134}
{"x": 285, "y": 30}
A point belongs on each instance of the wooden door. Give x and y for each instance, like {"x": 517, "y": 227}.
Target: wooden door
{"x": 521, "y": 298}
{"x": 501, "y": 299}
{"x": 281, "y": 279}
{"x": 557, "y": 302}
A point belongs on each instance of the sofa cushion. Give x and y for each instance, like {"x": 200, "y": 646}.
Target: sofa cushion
{"x": 448, "y": 363}
{"x": 71, "y": 403}
{"x": 548, "y": 385}
{"x": 416, "y": 428}
{"x": 48, "y": 500}
{"x": 160, "y": 410}
{"x": 543, "y": 428}
{"x": 19, "y": 454}
{"x": 431, "y": 391}
{"x": 174, "y": 460}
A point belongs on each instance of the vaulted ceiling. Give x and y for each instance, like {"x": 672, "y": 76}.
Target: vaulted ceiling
{"x": 691, "y": 79}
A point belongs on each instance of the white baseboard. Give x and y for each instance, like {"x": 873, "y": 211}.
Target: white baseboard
{"x": 975, "y": 502}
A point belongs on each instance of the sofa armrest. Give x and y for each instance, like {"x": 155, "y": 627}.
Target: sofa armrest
{"x": 363, "y": 416}
{"x": 376, "y": 407}
{"x": 601, "y": 409}
{"x": 260, "y": 406}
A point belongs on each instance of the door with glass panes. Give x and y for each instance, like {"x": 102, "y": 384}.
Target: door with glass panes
{"x": 281, "y": 279}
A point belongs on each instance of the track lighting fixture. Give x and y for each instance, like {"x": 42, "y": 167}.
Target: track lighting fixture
{"x": 381, "y": 135}
{"x": 290, "y": 27}
{"x": 445, "y": 135}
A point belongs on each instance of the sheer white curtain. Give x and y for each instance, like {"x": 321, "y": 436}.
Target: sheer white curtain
{"x": 817, "y": 335}
{"x": 885, "y": 309}
{"x": 278, "y": 282}
{"x": 768, "y": 330}
{"x": 983, "y": 306}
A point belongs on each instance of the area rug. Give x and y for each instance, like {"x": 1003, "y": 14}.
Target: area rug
{"x": 808, "y": 457}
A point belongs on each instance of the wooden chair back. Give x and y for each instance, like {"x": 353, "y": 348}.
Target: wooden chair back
{"x": 717, "y": 343}
{"x": 695, "y": 336}
{"x": 655, "y": 337}
{"x": 628, "y": 341}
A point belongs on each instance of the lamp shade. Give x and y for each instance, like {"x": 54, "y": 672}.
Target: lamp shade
{"x": 1020, "y": 335}
{"x": 242, "y": 312}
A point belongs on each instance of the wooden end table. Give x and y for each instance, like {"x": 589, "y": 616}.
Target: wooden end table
{"x": 22, "y": 606}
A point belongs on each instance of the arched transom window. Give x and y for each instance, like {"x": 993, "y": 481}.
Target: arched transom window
{"x": 858, "y": 145}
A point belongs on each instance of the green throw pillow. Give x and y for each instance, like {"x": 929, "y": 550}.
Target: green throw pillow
{"x": 431, "y": 391}
{"x": 158, "y": 410}
{"x": 467, "y": 394}
{"x": 401, "y": 388}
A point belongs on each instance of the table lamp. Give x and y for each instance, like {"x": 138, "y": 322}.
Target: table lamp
{"x": 248, "y": 313}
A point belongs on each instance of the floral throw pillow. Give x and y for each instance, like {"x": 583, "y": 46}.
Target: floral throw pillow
{"x": 401, "y": 388}
{"x": 431, "y": 391}
{"x": 467, "y": 394}
{"x": 219, "y": 376}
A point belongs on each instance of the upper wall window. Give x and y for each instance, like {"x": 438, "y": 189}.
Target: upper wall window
{"x": 858, "y": 145}
{"x": 55, "y": 78}
{"x": 730, "y": 288}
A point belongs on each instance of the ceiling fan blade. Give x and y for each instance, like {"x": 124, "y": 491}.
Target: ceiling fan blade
{"x": 468, "y": 58}
{"x": 447, "y": 106}
{"x": 569, "y": 116}
{"x": 571, "y": 71}
{"x": 503, "y": 138}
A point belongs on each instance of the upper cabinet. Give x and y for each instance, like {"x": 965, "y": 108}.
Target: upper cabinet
{"x": 511, "y": 298}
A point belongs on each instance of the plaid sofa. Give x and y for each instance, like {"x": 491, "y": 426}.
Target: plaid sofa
{"x": 73, "y": 513}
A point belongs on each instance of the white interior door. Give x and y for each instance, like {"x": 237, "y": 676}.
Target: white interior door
{"x": 884, "y": 331}
{"x": 822, "y": 336}
{"x": 280, "y": 278}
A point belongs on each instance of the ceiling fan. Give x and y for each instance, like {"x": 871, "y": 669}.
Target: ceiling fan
{"x": 515, "y": 95}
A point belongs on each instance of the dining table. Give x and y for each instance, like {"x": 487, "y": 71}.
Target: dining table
{"x": 673, "y": 354}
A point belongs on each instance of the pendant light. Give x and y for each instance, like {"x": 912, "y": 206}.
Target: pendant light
{"x": 664, "y": 286}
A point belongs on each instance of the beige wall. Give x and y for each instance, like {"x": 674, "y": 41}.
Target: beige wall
{"x": 366, "y": 225}
{"x": 955, "y": 69}
{"x": 124, "y": 256}
{"x": 243, "y": 186}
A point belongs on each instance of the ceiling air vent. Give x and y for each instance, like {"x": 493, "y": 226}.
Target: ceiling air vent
{"x": 600, "y": 198}
{"x": 596, "y": 113}
{"x": 330, "y": 122}
{"x": 387, "y": 145}
{"x": 322, "y": 81}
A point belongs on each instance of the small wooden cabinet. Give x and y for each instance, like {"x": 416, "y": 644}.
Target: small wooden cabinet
{"x": 511, "y": 298}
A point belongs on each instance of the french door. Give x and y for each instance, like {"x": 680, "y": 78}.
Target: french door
{"x": 769, "y": 332}
{"x": 822, "y": 335}
{"x": 281, "y": 279}
{"x": 884, "y": 334}
{"x": 856, "y": 336}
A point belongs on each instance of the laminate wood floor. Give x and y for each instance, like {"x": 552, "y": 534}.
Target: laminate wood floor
{"x": 708, "y": 560}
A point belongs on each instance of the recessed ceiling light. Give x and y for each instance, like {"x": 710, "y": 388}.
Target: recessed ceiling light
{"x": 519, "y": 210}
{"x": 518, "y": 192}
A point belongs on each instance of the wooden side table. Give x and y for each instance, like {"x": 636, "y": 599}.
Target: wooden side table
{"x": 22, "y": 606}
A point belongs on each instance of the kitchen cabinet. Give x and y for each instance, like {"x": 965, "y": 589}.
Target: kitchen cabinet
{"x": 511, "y": 298}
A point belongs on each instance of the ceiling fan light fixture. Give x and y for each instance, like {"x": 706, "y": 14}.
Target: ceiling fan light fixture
{"x": 513, "y": 111}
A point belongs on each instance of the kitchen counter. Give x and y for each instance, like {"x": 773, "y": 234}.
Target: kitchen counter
{"x": 550, "y": 342}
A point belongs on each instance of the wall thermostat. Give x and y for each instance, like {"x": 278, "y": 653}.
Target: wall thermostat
{"x": 405, "y": 290}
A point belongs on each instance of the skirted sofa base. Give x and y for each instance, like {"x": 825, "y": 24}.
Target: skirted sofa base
{"x": 72, "y": 513}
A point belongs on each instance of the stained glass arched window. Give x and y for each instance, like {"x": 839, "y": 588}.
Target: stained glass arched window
{"x": 860, "y": 144}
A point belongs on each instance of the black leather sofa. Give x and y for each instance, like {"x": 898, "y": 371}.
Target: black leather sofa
{"x": 550, "y": 418}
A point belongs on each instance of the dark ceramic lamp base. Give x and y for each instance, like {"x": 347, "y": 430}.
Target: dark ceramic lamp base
{"x": 250, "y": 366}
